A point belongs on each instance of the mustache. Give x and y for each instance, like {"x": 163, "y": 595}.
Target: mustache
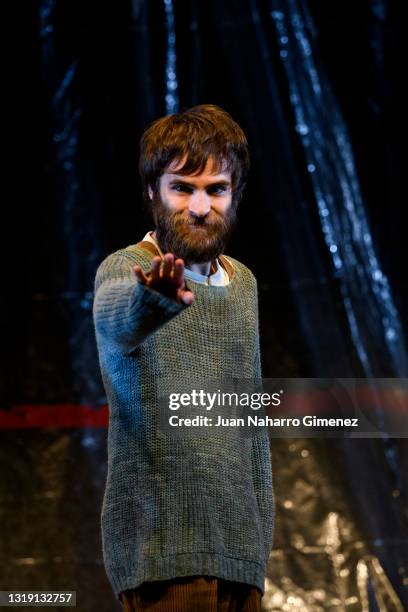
{"x": 184, "y": 223}
{"x": 189, "y": 219}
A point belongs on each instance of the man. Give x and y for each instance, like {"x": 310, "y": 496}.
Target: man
{"x": 186, "y": 525}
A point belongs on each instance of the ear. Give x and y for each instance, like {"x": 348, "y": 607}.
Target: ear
{"x": 150, "y": 192}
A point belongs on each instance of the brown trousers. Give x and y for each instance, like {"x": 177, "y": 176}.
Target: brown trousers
{"x": 193, "y": 594}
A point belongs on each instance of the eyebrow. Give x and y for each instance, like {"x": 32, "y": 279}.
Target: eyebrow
{"x": 223, "y": 182}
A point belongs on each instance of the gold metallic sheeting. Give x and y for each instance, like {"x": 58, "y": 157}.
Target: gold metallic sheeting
{"x": 323, "y": 557}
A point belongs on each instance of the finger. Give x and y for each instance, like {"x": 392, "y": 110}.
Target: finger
{"x": 155, "y": 269}
{"x": 168, "y": 261}
{"x": 178, "y": 274}
{"x": 140, "y": 274}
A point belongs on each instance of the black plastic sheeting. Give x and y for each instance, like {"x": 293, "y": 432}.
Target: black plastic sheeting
{"x": 315, "y": 87}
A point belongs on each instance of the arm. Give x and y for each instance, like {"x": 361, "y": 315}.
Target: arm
{"x": 125, "y": 310}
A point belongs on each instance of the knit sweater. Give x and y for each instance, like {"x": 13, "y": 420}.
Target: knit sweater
{"x": 175, "y": 507}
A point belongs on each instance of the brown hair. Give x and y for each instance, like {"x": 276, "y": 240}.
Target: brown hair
{"x": 196, "y": 133}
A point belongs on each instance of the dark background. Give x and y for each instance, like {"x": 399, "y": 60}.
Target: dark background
{"x": 88, "y": 78}
{"x": 92, "y": 82}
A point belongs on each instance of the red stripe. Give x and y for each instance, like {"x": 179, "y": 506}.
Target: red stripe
{"x": 26, "y": 416}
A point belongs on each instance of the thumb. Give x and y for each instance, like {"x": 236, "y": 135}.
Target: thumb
{"x": 187, "y": 297}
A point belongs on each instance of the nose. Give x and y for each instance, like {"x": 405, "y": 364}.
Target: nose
{"x": 199, "y": 204}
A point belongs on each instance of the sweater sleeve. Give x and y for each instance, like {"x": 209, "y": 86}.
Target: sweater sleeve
{"x": 262, "y": 460}
{"x": 124, "y": 310}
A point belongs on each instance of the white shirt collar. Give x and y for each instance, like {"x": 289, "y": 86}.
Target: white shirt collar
{"x": 218, "y": 278}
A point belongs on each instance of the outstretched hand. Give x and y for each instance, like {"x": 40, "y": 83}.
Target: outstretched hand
{"x": 167, "y": 279}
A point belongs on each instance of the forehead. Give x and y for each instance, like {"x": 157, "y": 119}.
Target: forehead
{"x": 211, "y": 169}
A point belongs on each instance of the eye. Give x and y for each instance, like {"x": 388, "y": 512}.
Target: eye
{"x": 180, "y": 188}
{"x": 217, "y": 189}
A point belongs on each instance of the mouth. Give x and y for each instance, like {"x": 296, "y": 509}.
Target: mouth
{"x": 197, "y": 227}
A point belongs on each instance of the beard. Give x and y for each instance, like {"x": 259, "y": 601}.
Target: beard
{"x": 194, "y": 239}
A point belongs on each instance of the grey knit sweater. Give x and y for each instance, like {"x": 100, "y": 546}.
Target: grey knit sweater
{"x": 173, "y": 507}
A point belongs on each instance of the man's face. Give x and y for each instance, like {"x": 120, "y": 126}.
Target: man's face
{"x": 193, "y": 213}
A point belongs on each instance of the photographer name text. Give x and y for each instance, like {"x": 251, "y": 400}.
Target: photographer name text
{"x": 256, "y": 421}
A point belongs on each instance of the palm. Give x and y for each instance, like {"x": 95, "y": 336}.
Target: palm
{"x": 167, "y": 279}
